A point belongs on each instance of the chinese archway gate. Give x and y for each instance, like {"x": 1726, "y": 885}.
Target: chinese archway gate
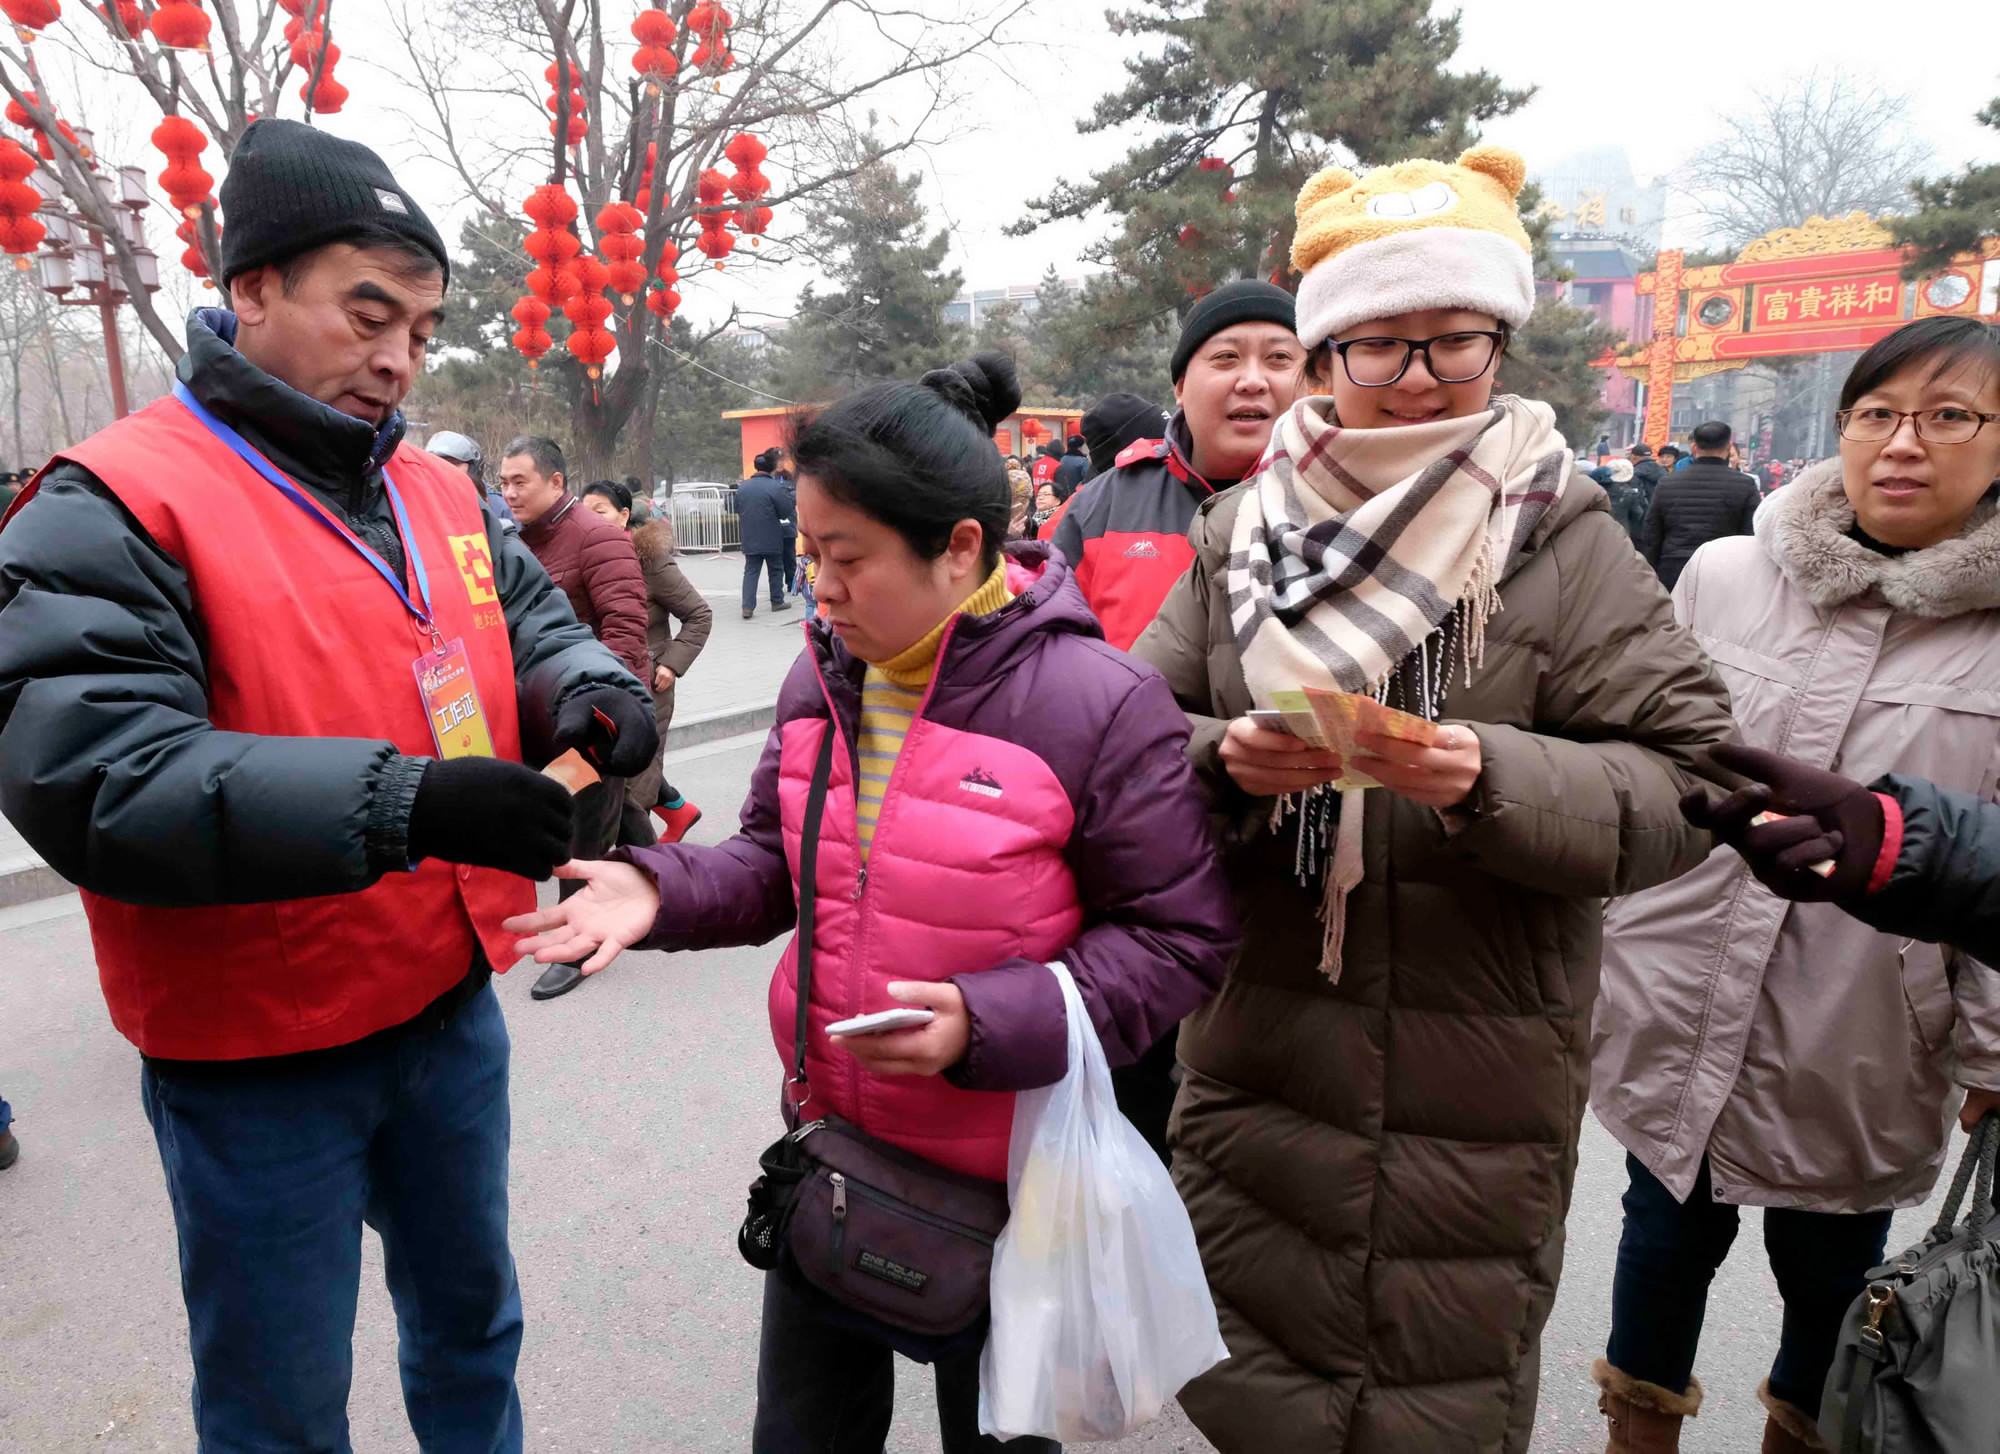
{"x": 1821, "y": 288}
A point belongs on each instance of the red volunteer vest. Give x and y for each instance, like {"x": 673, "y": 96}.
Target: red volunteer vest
{"x": 304, "y": 639}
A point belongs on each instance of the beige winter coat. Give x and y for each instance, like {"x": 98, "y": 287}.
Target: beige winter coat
{"x": 1809, "y": 1057}
{"x": 1378, "y": 1169}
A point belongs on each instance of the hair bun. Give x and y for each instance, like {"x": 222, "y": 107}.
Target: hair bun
{"x": 984, "y": 388}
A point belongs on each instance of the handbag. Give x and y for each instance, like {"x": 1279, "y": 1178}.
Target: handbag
{"x": 1919, "y": 1356}
{"x": 900, "y": 1241}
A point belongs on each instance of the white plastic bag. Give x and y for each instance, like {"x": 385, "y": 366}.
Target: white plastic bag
{"x": 1100, "y": 1309}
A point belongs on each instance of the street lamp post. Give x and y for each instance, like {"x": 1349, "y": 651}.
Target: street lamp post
{"x": 77, "y": 266}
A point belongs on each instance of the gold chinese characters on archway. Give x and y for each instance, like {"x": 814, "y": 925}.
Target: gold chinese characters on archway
{"x": 1827, "y": 286}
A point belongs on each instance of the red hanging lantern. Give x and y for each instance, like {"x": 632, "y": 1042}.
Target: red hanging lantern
{"x": 552, "y": 247}
{"x": 575, "y": 114}
{"x": 591, "y": 278}
{"x": 642, "y": 196}
{"x": 752, "y": 222}
{"x": 656, "y": 61}
{"x": 320, "y": 91}
{"x": 30, "y": 16}
{"x": 591, "y": 347}
{"x": 532, "y": 339}
{"x": 748, "y": 153}
{"x": 21, "y": 232}
{"x": 664, "y": 302}
{"x": 552, "y": 286}
{"x": 618, "y": 226}
{"x": 189, "y": 232}
{"x": 709, "y": 23}
{"x": 670, "y": 256}
{"x": 44, "y": 148}
{"x": 550, "y": 205}
{"x": 180, "y": 24}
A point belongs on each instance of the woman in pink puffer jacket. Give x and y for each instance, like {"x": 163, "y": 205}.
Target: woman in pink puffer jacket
{"x": 1007, "y": 790}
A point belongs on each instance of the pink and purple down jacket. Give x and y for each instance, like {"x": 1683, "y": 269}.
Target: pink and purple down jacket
{"x": 1042, "y": 809}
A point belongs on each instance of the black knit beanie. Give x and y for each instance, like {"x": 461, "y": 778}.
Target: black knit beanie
{"x": 292, "y": 188}
{"x": 1118, "y": 420}
{"x": 1244, "y": 301}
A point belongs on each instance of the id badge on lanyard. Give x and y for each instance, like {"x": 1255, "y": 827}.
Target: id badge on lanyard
{"x": 451, "y": 701}
{"x": 444, "y": 675}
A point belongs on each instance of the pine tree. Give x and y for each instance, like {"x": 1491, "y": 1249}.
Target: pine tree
{"x": 883, "y": 318}
{"x": 1076, "y": 359}
{"x": 1953, "y": 213}
{"x": 1246, "y": 101}
{"x": 1552, "y": 358}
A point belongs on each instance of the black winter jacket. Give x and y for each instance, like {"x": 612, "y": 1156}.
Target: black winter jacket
{"x": 765, "y": 512}
{"x": 1703, "y": 502}
{"x": 1945, "y": 887}
{"x": 109, "y": 765}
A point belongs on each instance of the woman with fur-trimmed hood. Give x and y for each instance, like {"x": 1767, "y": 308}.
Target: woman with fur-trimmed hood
{"x": 1750, "y": 1052}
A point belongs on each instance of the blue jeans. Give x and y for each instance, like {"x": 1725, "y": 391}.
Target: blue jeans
{"x": 757, "y": 565}
{"x": 273, "y": 1167}
{"x": 824, "y": 1387}
{"x": 1668, "y": 1254}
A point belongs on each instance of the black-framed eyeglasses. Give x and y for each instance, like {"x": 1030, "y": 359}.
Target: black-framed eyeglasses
{"x": 1452, "y": 358}
{"x": 1948, "y": 425}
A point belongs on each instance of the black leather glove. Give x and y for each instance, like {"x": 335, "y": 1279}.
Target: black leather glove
{"x": 495, "y": 814}
{"x": 608, "y": 726}
{"x": 1826, "y": 819}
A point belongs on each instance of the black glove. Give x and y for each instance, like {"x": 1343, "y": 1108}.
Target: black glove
{"x": 608, "y": 726}
{"x": 1827, "y": 819}
{"x": 496, "y": 814}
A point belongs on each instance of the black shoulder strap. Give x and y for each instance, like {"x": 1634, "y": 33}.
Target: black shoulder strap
{"x": 808, "y": 867}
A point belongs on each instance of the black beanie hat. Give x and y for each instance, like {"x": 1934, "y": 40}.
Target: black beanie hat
{"x": 1118, "y": 420}
{"x": 1244, "y": 301}
{"x": 292, "y": 188}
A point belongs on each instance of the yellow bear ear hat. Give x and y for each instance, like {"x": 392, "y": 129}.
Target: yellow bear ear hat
{"x": 1410, "y": 236}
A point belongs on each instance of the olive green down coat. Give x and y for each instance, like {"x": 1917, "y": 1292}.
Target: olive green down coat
{"x": 1378, "y": 1169}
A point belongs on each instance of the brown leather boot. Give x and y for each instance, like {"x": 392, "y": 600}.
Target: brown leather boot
{"x": 1788, "y": 1429}
{"x": 1643, "y": 1418}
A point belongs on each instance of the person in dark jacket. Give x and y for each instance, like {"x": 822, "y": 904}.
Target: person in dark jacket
{"x": 1646, "y": 474}
{"x": 1902, "y": 854}
{"x": 670, "y": 597}
{"x": 975, "y": 713}
{"x": 768, "y": 521}
{"x": 1115, "y": 423}
{"x": 1706, "y": 501}
{"x": 1073, "y": 469}
{"x": 1628, "y": 498}
{"x": 1236, "y": 367}
{"x": 596, "y": 567}
{"x": 216, "y": 616}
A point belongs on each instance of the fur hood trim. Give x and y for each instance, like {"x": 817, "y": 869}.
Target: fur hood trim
{"x": 654, "y": 541}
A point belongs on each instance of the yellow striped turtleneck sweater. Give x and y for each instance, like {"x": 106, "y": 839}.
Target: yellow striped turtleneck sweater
{"x": 891, "y": 693}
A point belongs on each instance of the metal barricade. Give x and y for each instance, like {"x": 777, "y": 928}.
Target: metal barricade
{"x": 704, "y": 520}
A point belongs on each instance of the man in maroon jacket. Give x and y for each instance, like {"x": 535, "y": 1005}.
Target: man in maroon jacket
{"x": 593, "y": 563}
{"x": 1236, "y": 368}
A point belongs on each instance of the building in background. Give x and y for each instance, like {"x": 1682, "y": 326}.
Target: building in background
{"x": 972, "y": 305}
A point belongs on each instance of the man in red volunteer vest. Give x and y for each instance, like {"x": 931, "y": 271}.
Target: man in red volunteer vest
{"x": 267, "y": 678}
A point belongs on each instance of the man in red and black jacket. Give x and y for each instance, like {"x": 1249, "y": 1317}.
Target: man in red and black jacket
{"x": 1236, "y": 368}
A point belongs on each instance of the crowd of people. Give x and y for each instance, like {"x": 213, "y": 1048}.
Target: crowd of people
{"x": 1706, "y": 772}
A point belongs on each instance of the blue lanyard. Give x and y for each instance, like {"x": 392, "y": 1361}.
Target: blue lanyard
{"x": 277, "y": 478}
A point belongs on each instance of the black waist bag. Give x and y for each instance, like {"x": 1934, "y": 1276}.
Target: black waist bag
{"x": 899, "y": 1240}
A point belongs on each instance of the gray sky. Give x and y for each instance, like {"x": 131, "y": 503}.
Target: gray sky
{"x": 1652, "y": 78}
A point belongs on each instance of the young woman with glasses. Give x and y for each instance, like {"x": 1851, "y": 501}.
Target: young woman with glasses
{"x": 1750, "y": 1052}
{"x": 1377, "y": 1123}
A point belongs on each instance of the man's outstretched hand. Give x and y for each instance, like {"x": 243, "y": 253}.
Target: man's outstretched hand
{"x": 1822, "y": 818}
{"x": 493, "y": 813}
{"x": 614, "y": 911}
{"x": 608, "y": 726}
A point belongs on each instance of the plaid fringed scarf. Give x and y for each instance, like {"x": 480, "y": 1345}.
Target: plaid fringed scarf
{"x": 1361, "y": 544}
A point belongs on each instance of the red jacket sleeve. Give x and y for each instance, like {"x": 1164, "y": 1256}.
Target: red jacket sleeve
{"x": 617, "y": 590}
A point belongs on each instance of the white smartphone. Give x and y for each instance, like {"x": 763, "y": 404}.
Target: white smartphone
{"x": 1269, "y": 720}
{"x": 882, "y": 1022}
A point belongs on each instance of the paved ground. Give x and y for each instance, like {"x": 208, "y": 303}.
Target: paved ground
{"x": 640, "y": 1102}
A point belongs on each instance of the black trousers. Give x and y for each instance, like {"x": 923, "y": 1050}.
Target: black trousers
{"x": 824, "y": 1388}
